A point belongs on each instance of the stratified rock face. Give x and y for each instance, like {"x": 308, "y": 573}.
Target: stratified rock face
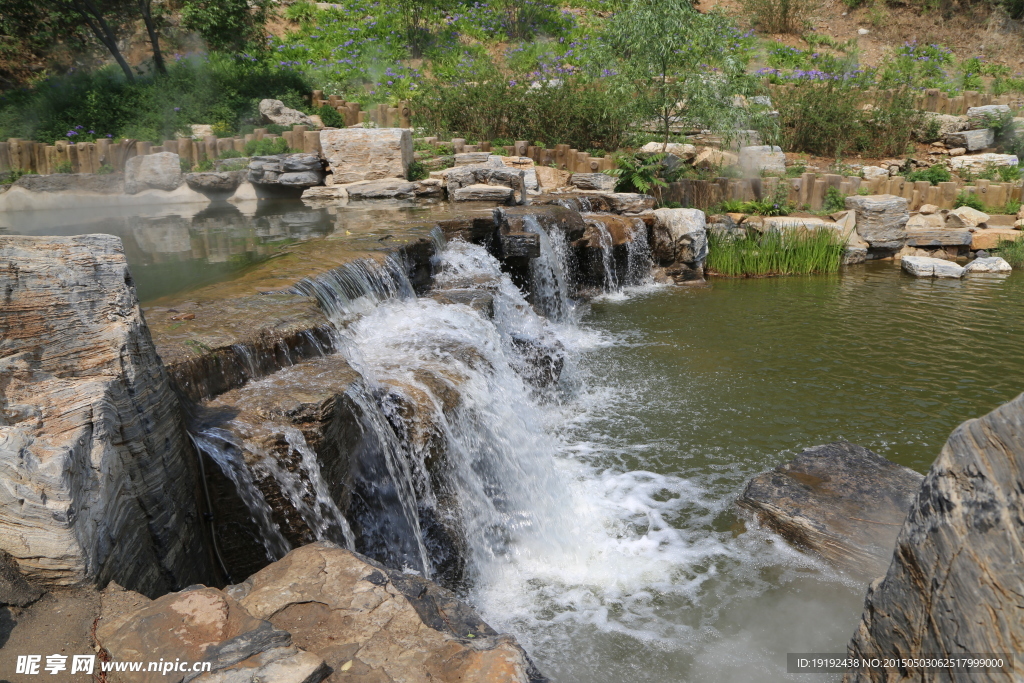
{"x": 274, "y": 111}
{"x": 287, "y": 170}
{"x": 838, "y": 500}
{"x": 881, "y": 219}
{"x": 955, "y": 582}
{"x": 356, "y": 154}
{"x": 161, "y": 171}
{"x": 594, "y": 181}
{"x": 377, "y": 624}
{"x": 14, "y": 589}
{"x": 486, "y": 183}
{"x": 972, "y": 140}
{"x": 680, "y": 236}
{"x": 97, "y": 481}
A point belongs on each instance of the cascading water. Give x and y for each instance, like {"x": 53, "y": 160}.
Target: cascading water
{"x": 611, "y": 278}
{"x": 638, "y": 255}
{"x": 219, "y": 445}
{"x": 550, "y": 272}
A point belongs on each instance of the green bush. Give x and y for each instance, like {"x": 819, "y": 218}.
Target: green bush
{"x": 789, "y": 251}
{"x": 970, "y": 200}
{"x": 230, "y": 154}
{"x": 330, "y": 116}
{"x": 266, "y": 147}
{"x": 63, "y": 167}
{"x": 834, "y": 201}
{"x": 1012, "y": 251}
{"x": 90, "y": 105}
{"x": 826, "y": 117}
{"x": 417, "y": 171}
{"x": 934, "y": 175}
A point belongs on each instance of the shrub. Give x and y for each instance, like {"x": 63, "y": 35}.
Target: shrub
{"x": 934, "y": 175}
{"x": 330, "y": 116}
{"x": 965, "y": 199}
{"x": 639, "y": 173}
{"x": 417, "y": 171}
{"x": 230, "y": 154}
{"x": 63, "y": 167}
{"x": 789, "y": 251}
{"x": 228, "y": 25}
{"x": 823, "y": 115}
{"x": 266, "y": 147}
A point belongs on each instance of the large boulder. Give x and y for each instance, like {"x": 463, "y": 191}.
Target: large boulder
{"x": 215, "y": 182}
{"x": 680, "y": 236}
{"x": 97, "y": 478}
{"x": 356, "y": 154}
{"x": 594, "y": 181}
{"x": 469, "y": 183}
{"x": 297, "y": 171}
{"x": 160, "y": 171}
{"x": 274, "y": 111}
{"x": 935, "y": 126}
{"x": 985, "y": 116}
{"x": 757, "y": 158}
{"x": 955, "y": 580}
{"x": 840, "y": 501}
{"x": 972, "y": 140}
{"x": 976, "y": 163}
{"x": 881, "y": 219}
{"x": 992, "y": 264}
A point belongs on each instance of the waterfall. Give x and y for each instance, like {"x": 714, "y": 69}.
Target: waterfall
{"x": 221, "y": 448}
{"x": 611, "y": 278}
{"x": 549, "y": 272}
{"x": 306, "y": 489}
{"x": 638, "y": 255}
{"x": 357, "y": 287}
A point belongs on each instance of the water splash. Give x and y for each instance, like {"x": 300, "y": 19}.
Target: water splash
{"x": 358, "y": 286}
{"x": 638, "y": 255}
{"x": 550, "y": 272}
{"x": 604, "y": 237}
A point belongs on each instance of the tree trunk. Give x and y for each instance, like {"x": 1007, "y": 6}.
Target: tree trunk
{"x": 101, "y": 29}
{"x": 154, "y": 35}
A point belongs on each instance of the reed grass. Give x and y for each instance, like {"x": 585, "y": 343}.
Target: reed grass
{"x": 1012, "y": 251}
{"x": 790, "y": 251}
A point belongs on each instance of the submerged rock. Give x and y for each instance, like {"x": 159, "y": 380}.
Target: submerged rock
{"x": 839, "y": 500}
{"x": 955, "y": 581}
{"x": 97, "y": 479}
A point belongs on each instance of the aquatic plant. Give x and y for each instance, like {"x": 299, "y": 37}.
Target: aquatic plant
{"x": 1012, "y": 251}
{"x": 789, "y": 251}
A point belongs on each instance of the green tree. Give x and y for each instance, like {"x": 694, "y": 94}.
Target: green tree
{"x": 228, "y": 25}
{"x": 679, "y": 66}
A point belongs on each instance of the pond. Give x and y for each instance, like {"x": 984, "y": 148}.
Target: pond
{"x": 677, "y": 397}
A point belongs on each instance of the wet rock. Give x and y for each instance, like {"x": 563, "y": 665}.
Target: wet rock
{"x": 379, "y": 624}
{"x": 954, "y": 582}
{"x": 520, "y": 245}
{"x": 594, "y": 181}
{"x": 98, "y": 479}
{"x": 881, "y": 219}
{"x": 679, "y": 236}
{"x": 923, "y": 266}
{"x": 199, "y": 625}
{"x": 274, "y": 111}
{"x": 215, "y": 181}
{"x": 356, "y": 154}
{"x": 516, "y": 219}
{"x": 989, "y": 264}
{"x": 161, "y": 171}
{"x": 839, "y": 500}
{"x": 14, "y": 589}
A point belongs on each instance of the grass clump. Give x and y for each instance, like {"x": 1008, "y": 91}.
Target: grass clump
{"x": 1012, "y": 251}
{"x": 969, "y": 200}
{"x": 266, "y": 147}
{"x": 790, "y": 251}
{"x": 934, "y": 175}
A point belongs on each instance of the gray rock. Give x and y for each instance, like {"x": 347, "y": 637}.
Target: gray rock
{"x": 383, "y": 189}
{"x": 215, "y": 181}
{"x": 482, "y": 193}
{"x": 990, "y": 264}
{"x": 97, "y": 478}
{"x": 356, "y": 154}
{"x": 757, "y": 158}
{"x": 840, "y": 501}
{"x": 938, "y": 126}
{"x": 627, "y": 202}
{"x": 924, "y": 266}
{"x": 594, "y": 181}
{"x": 300, "y": 179}
{"x": 972, "y": 140}
{"x": 938, "y": 237}
{"x": 955, "y": 580}
{"x": 274, "y": 111}
{"x": 288, "y": 170}
{"x": 161, "y": 171}
{"x": 881, "y": 219}
{"x": 14, "y": 589}
{"x": 680, "y": 236}
{"x": 472, "y": 158}
{"x": 981, "y": 117}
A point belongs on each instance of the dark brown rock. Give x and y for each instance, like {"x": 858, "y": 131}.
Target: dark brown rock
{"x": 839, "y": 500}
{"x": 14, "y": 588}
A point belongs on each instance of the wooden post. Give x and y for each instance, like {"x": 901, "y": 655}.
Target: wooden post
{"x": 311, "y": 142}
{"x": 259, "y": 133}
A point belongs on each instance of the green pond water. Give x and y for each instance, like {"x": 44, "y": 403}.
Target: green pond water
{"x": 692, "y": 392}
{"x": 684, "y": 394}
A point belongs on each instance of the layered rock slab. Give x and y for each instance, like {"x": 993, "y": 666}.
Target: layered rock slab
{"x": 356, "y": 154}
{"x": 839, "y": 500}
{"x": 954, "y": 585}
{"x": 97, "y": 480}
